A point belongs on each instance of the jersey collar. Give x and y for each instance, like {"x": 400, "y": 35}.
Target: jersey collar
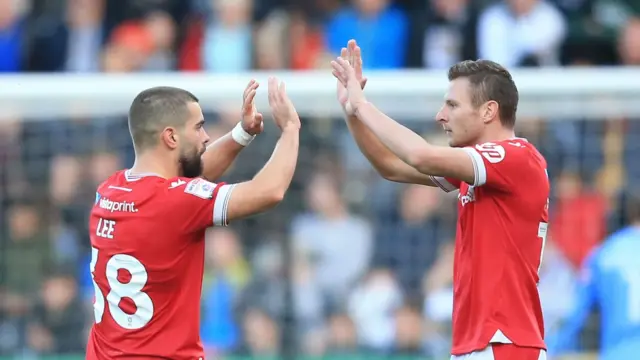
{"x": 129, "y": 176}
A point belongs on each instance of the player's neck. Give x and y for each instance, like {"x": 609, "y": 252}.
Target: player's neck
{"x": 150, "y": 163}
{"x": 499, "y": 134}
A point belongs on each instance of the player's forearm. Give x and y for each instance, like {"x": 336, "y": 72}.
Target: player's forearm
{"x": 275, "y": 177}
{"x": 410, "y": 147}
{"x": 219, "y": 156}
{"x": 377, "y": 154}
{"x": 386, "y": 163}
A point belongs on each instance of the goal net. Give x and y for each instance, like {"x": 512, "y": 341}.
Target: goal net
{"x": 349, "y": 260}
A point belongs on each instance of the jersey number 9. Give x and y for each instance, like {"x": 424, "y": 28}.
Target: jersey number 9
{"x": 119, "y": 290}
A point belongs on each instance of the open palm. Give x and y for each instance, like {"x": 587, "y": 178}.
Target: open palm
{"x": 353, "y": 55}
{"x": 251, "y": 118}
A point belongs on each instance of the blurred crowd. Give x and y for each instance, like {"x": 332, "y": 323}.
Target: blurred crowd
{"x": 238, "y": 35}
{"x": 350, "y": 264}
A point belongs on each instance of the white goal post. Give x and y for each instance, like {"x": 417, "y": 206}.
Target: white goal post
{"x": 551, "y": 93}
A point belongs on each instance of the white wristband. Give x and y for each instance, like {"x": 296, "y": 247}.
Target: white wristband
{"x": 241, "y": 136}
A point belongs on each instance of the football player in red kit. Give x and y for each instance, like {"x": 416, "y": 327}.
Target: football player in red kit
{"x": 148, "y": 222}
{"x": 502, "y": 203}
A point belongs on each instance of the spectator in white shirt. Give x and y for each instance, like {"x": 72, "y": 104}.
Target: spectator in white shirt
{"x": 521, "y": 33}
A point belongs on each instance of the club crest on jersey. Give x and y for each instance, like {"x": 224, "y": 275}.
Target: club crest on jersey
{"x": 494, "y": 153}
{"x": 200, "y": 188}
{"x": 470, "y": 196}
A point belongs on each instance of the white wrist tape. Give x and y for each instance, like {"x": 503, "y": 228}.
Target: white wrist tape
{"x": 241, "y": 136}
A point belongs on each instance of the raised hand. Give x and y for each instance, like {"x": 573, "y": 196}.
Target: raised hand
{"x": 251, "y": 118}
{"x": 346, "y": 75}
{"x": 284, "y": 113}
{"x": 353, "y": 55}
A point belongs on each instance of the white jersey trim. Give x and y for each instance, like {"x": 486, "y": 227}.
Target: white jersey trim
{"x": 479, "y": 169}
{"x": 442, "y": 183}
{"x": 221, "y": 204}
{"x": 130, "y": 177}
{"x": 487, "y": 354}
{"x": 500, "y": 337}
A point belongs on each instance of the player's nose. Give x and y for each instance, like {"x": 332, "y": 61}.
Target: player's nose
{"x": 206, "y": 139}
{"x": 441, "y": 117}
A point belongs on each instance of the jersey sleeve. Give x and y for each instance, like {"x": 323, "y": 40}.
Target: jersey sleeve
{"x": 198, "y": 203}
{"x": 498, "y": 165}
{"x": 445, "y": 183}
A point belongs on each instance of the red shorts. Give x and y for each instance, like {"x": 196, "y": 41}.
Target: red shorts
{"x": 504, "y": 352}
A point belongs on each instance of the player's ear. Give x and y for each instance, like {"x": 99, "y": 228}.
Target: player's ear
{"x": 489, "y": 111}
{"x": 170, "y": 137}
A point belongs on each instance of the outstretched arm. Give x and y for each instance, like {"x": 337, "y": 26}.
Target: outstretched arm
{"x": 222, "y": 152}
{"x": 413, "y": 150}
{"x": 268, "y": 187}
{"x": 408, "y": 146}
{"x": 381, "y": 158}
{"x": 386, "y": 163}
{"x": 219, "y": 156}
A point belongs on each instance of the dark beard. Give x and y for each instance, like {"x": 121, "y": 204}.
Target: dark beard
{"x": 191, "y": 166}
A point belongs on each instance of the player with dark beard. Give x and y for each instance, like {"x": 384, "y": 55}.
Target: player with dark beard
{"x": 158, "y": 108}
{"x": 148, "y": 223}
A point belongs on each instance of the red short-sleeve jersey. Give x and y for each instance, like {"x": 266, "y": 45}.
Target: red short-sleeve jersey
{"x": 502, "y": 225}
{"x": 147, "y": 263}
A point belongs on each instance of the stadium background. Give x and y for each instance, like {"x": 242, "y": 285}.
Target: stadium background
{"x": 349, "y": 265}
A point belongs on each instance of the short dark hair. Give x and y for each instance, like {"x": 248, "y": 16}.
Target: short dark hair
{"x": 154, "y": 109}
{"x": 489, "y": 81}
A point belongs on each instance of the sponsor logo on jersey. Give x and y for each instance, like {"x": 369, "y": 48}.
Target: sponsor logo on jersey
{"x": 200, "y": 188}
{"x": 117, "y": 206}
{"x": 469, "y": 197}
{"x": 177, "y": 183}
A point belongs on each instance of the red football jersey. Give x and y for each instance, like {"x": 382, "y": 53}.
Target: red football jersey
{"x": 502, "y": 226}
{"x": 147, "y": 261}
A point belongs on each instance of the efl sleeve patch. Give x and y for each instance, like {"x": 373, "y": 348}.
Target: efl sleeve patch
{"x": 200, "y": 188}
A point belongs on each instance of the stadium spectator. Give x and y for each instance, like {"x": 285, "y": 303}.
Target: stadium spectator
{"x": 227, "y": 275}
{"x": 447, "y": 36}
{"x": 408, "y": 242}
{"x": 72, "y": 42}
{"x": 12, "y": 31}
{"x": 409, "y": 332}
{"x": 339, "y": 242}
{"x": 342, "y": 338}
{"x": 521, "y": 33}
{"x": 228, "y": 36}
{"x": 49, "y": 167}
{"x": 55, "y": 316}
{"x": 381, "y": 27}
{"x": 372, "y": 306}
{"x": 579, "y": 221}
{"x": 27, "y": 257}
{"x": 261, "y": 334}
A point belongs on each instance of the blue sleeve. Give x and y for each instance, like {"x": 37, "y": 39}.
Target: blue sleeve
{"x": 564, "y": 339}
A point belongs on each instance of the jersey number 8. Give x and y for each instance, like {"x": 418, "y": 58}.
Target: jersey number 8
{"x": 131, "y": 290}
